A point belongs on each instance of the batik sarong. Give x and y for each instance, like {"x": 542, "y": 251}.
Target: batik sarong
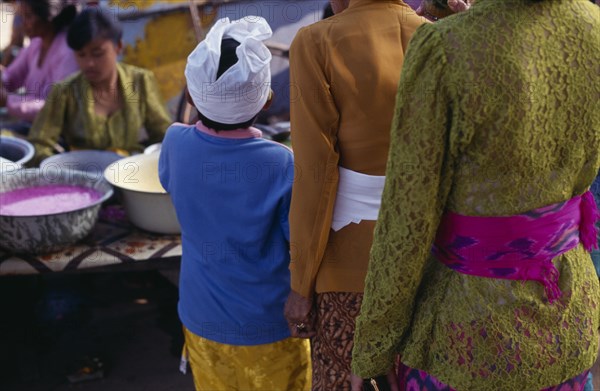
{"x": 410, "y": 379}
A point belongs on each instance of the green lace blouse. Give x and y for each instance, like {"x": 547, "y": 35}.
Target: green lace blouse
{"x": 497, "y": 113}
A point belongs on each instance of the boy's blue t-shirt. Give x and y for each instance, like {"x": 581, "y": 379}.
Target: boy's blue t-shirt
{"x": 232, "y": 192}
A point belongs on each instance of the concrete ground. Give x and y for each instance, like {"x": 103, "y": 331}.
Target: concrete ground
{"x": 50, "y": 324}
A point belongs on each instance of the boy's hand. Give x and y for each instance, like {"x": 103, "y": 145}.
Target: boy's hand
{"x": 299, "y": 313}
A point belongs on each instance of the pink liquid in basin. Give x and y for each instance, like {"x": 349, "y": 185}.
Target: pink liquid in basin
{"x": 46, "y": 200}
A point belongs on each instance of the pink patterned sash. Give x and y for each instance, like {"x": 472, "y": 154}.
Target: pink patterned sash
{"x": 519, "y": 247}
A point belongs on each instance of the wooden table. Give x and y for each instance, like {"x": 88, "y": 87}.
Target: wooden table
{"x": 114, "y": 244}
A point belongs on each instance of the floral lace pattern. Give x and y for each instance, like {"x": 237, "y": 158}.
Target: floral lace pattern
{"x": 497, "y": 113}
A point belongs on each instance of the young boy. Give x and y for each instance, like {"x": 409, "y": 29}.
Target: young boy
{"x": 231, "y": 190}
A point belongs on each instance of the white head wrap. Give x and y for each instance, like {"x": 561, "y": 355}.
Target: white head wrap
{"x": 241, "y": 91}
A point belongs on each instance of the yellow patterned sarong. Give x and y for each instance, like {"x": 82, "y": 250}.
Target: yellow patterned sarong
{"x": 278, "y": 366}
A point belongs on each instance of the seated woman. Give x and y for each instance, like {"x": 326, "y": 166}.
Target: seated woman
{"x": 105, "y": 106}
{"x": 45, "y": 61}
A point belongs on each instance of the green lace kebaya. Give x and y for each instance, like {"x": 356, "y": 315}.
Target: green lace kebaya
{"x": 497, "y": 113}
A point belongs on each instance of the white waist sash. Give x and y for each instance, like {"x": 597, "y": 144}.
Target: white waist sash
{"x": 358, "y": 198}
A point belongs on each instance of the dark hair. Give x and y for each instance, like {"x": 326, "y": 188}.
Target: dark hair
{"x": 228, "y": 55}
{"x": 228, "y": 59}
{"x": 60, "y": 17}
{"x": 93, "y": 23}
{"x": 328, "y": 11}
{"x": 209, "y": 123}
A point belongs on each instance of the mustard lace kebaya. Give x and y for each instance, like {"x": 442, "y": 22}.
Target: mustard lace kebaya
{"x": 498, "y": 113}
{"x": 69, "y": 112}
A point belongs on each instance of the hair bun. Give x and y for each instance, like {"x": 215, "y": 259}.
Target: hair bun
{"x": 65, "y": 17}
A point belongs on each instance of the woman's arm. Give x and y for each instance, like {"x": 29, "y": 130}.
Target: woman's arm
{"x": 157, "y": 119}
{"x": 25, "y": 107}
{"x": 315, "y": 122}
{"x": 48, "y": 126}
{"x": 13, "y": 77}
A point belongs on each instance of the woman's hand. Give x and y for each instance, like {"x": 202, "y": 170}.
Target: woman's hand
{"x": 454, "y": 6}
{"x": 459, "y": 5}
{"x": 357, "y": 382}
{"x": 300, "y": 315}
{"x": 421, "y": 9}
